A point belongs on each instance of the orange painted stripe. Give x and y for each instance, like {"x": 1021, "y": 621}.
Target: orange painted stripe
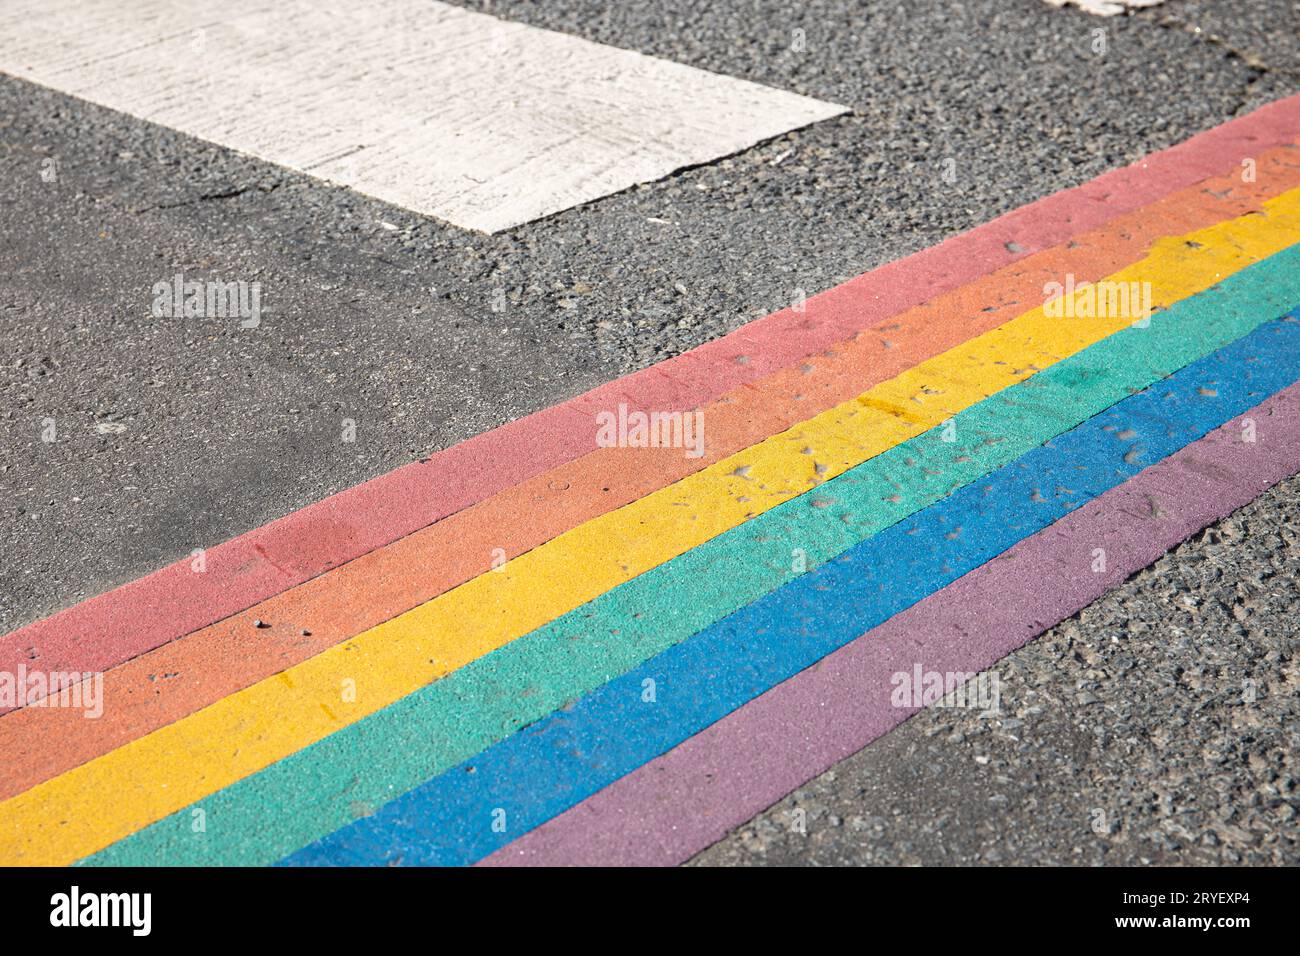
{"x": 191, "y": 672}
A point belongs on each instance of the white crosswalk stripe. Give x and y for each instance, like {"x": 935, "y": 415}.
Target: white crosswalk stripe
{"x": 455, "y": 114}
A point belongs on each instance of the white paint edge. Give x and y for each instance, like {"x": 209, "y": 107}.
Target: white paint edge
{"x": 485, "y": 123}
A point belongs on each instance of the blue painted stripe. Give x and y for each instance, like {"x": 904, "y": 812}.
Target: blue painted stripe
{"x": 540, "y": 771}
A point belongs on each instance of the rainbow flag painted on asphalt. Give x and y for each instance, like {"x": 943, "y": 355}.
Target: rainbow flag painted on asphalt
{"x": 613, "y": 630}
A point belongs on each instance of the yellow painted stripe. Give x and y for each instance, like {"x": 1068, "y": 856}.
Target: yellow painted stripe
{"x": 91, "y": 806}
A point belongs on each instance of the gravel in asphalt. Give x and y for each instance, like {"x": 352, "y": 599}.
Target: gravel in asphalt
{"x": 175, "y": 434}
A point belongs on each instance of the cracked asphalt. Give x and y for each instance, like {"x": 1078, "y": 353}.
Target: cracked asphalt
{"x": 177, "y": 435}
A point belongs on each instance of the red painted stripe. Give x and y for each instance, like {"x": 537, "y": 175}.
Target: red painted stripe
{"x": 147, "y": 613}
{"x": 669, "y": 809}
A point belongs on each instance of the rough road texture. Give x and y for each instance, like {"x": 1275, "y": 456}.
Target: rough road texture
{"x": 207, "y": 433}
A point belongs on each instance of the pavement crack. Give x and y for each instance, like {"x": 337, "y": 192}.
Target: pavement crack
{"x": 1258, "y": 67}
{"x": 1251, "y": 60}
{"x": 210, "y": 197}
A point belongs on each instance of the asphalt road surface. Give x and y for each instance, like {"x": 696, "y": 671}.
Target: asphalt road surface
{"x": 178, "y": 435}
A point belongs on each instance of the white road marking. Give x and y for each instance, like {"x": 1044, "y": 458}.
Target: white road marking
{"x": 459, "y": 115}
{"x": 1106, "y": 8}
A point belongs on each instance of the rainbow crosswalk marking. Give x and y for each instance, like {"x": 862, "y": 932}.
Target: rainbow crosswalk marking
{"x": 674, "y": 805}
{"x": 474, "y": 706}
{"x": 535, "y": 774}
{"x": 233, "y": 654}
{"x": 824, "y": 454}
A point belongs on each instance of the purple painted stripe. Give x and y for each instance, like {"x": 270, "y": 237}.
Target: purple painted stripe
{"x": 677, "y": 804}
